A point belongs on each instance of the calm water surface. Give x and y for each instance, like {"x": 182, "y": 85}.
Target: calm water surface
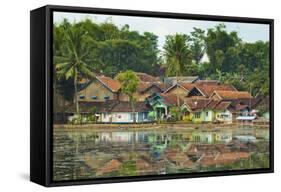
{"x": 86, "y": 153}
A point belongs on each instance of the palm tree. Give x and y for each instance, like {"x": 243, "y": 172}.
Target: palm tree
{"x": 74, "y": 55}
{"x": 177, "y": 55}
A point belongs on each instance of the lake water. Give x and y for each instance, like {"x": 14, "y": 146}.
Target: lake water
{"x": 85, "y": 153}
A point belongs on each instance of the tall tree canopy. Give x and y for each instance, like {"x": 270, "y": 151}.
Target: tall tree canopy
{"x": 177, "y": 54}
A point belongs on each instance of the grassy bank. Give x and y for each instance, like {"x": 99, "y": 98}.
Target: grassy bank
{"x": 154, "y": 126}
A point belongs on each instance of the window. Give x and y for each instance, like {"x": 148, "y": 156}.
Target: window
{"x": 207, "y": 113}
{"x": 82, "y": 96}
{"x": 94, "y": 97}
{"x": 145, "y": 115}
{"x": 132, "y": 115}
{"x": 197, "y": 115}
{"x": 106, "y": 97}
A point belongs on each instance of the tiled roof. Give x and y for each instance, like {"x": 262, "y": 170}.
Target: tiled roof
{"x": 171, "y": 99}
{"x": 187, "y": 86}
{"x": 196, "y": 104}
{"x": 144, "y": 86}
{"x": 111, "y": 84}
{"x": 207, "y": 82}
{"x": 207, "y": 90}
{"x": 125, "y": 106}
{"x": 233, "y": 94}
{"x": 145, "y": 77}
{"x": 108, "y": 106}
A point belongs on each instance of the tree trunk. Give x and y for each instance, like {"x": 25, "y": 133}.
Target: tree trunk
{"x": 133, "y": 110}
{"x": 76, "y": 91}
{"x": 178, "y": 99}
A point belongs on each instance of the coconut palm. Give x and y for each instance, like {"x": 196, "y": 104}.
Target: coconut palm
{"x": 177, "y": 55}
{"x": 74, "y": 55}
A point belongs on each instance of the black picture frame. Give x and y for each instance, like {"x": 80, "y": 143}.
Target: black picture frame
{"x": 41, "y": 21}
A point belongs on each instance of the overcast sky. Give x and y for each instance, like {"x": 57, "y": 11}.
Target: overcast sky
{"x": 162, "y": 26}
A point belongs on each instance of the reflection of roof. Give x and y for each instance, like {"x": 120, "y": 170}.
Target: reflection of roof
{"x": 233, "y": 94}
{"x": 111, "y": 84}
{"x": 109, "y": 167}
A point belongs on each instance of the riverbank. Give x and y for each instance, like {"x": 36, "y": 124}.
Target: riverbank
{"x": 154, "y": 126}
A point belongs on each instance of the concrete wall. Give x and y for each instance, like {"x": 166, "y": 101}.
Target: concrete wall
{"x": 123, "y": 117}
{"x": 96, "y": 89}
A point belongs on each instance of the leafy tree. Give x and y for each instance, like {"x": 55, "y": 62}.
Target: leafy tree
{"x": 197, "y": 46}
{"x": 221, "y": 48}
{"x": 129, "y": 82}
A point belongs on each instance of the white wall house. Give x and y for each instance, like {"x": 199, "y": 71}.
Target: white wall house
{"x": 124, "y": 117}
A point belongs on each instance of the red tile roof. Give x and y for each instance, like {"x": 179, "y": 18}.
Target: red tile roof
{"x": 196, "y": 104}
{"x": 145, "y": 77}
{"x": 187, "y": 86}
{"x": 218, "y": 105}
{"x": 171, "y": 99}
{"x": 207, "y": 90}
{"x": 233, "y": 94}
{"x": 111, "y": 84}
{"x": 207, "y": 82}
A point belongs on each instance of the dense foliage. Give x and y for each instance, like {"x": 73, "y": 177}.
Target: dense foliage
{"x": 85, "y": 48}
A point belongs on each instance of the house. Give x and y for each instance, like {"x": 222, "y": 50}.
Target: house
{"x": 180, "y": 79}
{"x": 181, "y": 89}
{"x": 99, "y": 89}
{"x": 162, "y": 104}
{"x": 193, "y": 110}
{"x": 144, "y": 90}
{"x": 219, "y": 111}
{"x": 123, "y": 112}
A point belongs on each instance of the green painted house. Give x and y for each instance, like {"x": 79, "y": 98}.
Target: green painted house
{"x": 162, "y": 104}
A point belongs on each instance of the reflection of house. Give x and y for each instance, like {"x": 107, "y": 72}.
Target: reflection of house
{"x": 178, "y": 158}
{"x": 99, "y": 89}
{"x": 211, "y": 137}
{"x": 109, "y": 167}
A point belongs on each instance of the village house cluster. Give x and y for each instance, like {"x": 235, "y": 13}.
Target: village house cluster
{"x": 199, "y": 101}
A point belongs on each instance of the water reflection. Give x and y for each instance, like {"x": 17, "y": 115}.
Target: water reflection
{"x": 87, "y": 154}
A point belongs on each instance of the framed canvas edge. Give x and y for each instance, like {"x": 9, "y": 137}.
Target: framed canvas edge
{"x": 49, "y": 161}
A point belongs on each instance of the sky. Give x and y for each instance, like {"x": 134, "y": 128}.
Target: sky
{"x": 161, "y": 27}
